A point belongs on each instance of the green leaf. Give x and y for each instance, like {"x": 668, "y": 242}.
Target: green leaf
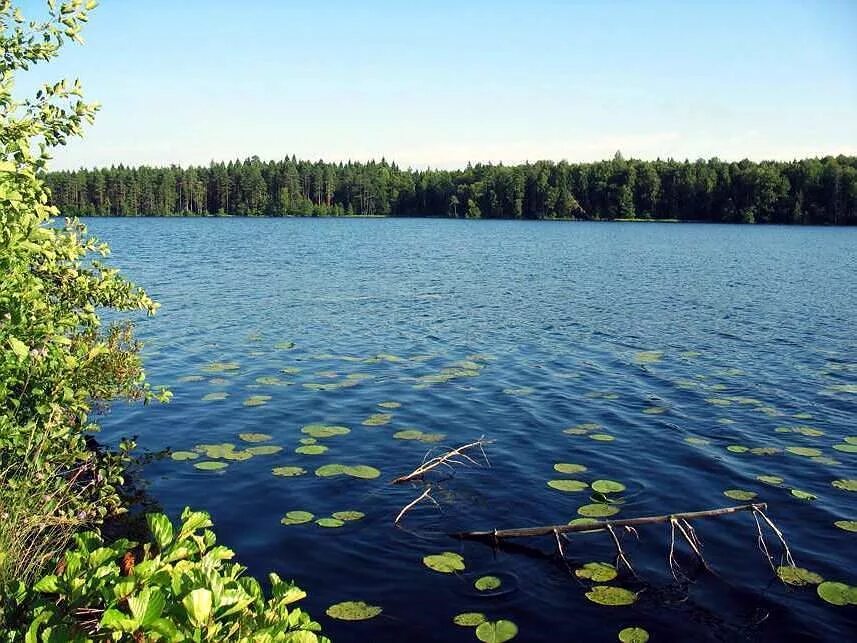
{"x": 445, "y": 563}
{"x": 487, "y": 583}
{"x": 633, "y": 635}
{"x": 198, "y": 606}
{"x": 837, "y": 593}
{"x": 353, "y": 611}
{"x": 567, "y": 485}
{"x": 469, "y": 619}
{"x": 496, "y": 631}
{"x": 798, "y": 576}
{"x": 598, "y": 572}
{"x": 739, "y": 494}
{"x": 161, "y": 528}
{"x": 297, "y": 518}
{"x": 608, "y": 486}
{"x": 147, "y": 606}
{"x": 48, "y": 584}
{"x": 18, "y": 347}
{"x": 611, "y": 596}
{"x": 845, "y": 485}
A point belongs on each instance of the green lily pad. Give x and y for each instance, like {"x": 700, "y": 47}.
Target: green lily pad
{"x": 446, "y": 563}
{"x": 269, "y": 380}
{"x": 284, "y": 346}
{"x": 837, "y": 593}
{"x": 798, "y": 576}
{"x": 257, "y": 400}
{"x": 288, "y": 472}
{"x": 378, "y": 419}
{"x": 348, "y": 515}
{"x": 389, "y": 405}
{"x": 697, "y": 441}
{"x": 611, "y": 596}
{"x": 598, "y": 572}
{"x": 496, "y": 631}
{"x": 809, "y": 431}
{"x": 220, "y": 367}
{"x": 353, "y": 611}
{"x": 567, "y": 485}
{"x": 408, "y": 434}
{"x": 851, "y": 439}
{"x": 238, "y": 455}
{"x": 324, "y": 430}
{"x": 598, "y": 510}
{"x": 311, "y": 449}
{"x": 254, "y": 437}
{"x": 845, "y": 485}
{"x": 330, "y": 523}
{"x": 655, "y": 410}
{"x": 487, "y": 583}
{"x": 210, "y": 465}
{"x": 216, "y": 396}
{"x": 264, "y": 449}
{"x": 568, "y": 469}
{"x": 469, "y": 619}
{"x": 191, "y": 378}
{"x": 297, "y": 518}
{"x": 184, "y": 455}
{"x": 764, "y": 450}
{"x": 803, "y": 495}
{"x": 648, "y": 357}
{"x": 308, "y": 441}
{"x": 215, "y": 451}
{"x": 847, "y": 525}
{"x": 739, "y": 494}
{"x": 363, "y": 471}
{"x": 218, "y": 381}
{"x": 718, "y": 401}
{"x": 602, "y": 437}
{"x": 583, "y": 521}
{"x": 290, "y": 370}
{"x": 737, "y": 448}
{"x": 633, "y": 635}
{"x": 582, "y": 429}
{"x": 807, "y": 452}
{"x": 772, "y": 480}
{"x": 846, "y": 447}
{"x": 608, "y": 486}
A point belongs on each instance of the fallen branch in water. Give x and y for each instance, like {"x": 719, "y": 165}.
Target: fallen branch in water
{"x": 425, "y": 494}
{"x": 454, "y": 456}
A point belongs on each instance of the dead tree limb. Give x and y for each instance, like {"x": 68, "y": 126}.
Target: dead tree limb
{"x": 454, "y": 456}
{"x": 604, "y": 525}
{"x": 424, "y": 494}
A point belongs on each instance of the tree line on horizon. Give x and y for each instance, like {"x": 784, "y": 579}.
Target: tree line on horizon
{"x": 808, "y": 191}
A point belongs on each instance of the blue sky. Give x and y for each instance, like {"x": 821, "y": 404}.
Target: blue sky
{"x": 442, "y": 83}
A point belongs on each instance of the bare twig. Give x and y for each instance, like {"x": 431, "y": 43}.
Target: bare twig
{"x": 444, "y": 460}
{"x": 424, "y": 494}
{"x": 620, "y": 554}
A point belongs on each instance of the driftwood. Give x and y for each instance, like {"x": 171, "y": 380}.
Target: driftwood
{"x": 453, "y": 456}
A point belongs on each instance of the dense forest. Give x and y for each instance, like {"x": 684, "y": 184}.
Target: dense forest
{"x": 811, "y": 191}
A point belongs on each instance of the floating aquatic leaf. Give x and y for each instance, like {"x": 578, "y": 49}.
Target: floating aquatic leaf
{"x": 329, "y": 523}
{"x": 806, "y": 452}
{"x": 307, "y": 440}
{"x": 210, "y": 465}
{"x": 810, "y": 432}
{"x": 348, "y": 515}
{"x": 845, "y": 485}
{"x": 697, "y": 441}
{"x": 608, "y": 486}
{"x": 408, "y": 434}
{"x": 583, "y": 521}
{"x": 288, "y": 472}
{"x": 798, "y": 576}
{"x": 269, "y": 380}
{"x": 432, "y": 437}
{"x": 582, "y": 429}
{"x": 324, "y": 430}
{"x": 611, "y": 596}
{"x": 774, "y": 480}
{"x": 264, "y": 449}
{"x": 846, "y": 447}
{"x": 487, "y": 583}
{"x": 689, "y": 354}
{"x": 802, "y": 416}
{"x": 739, "y": 494}
{"x": 328, "y": 470}
{"x": 389, "y": 405}
{"x": 218, "y": 381}
{"x": 363, "y": 471}
{"x": 254, "y": 437}
{"x": 567, "y": 485}
{"x": 469, "y": 619}
{"x": 519, "y": 392}
{"x": 353, "y": 611}
{"x": 297, "y": 518}
{"x": 219, "y": 367}
{"x": 216, "y": 396}
{"x": 238, "y": 455}
{"x": 602, "y": 437}
{"x": 290, "y": 370}
{"x": 648, "y": 357}
{"x": 496, "y": 631}
{"x": 311, "y": 449}
{"x": 378, "y": 419}
{"x": 823, "y": 459}
{"x": 568, "y": 468}
{"x": 597, "y": 510}
{"x": 847, "y": 525}
{"x": 842, "y": 388}
{"x": 257, "y": 400}
{"x": 764, "y": 450}
{"x": 446, "y": 562}
{"x": 284, "y": 346}
{"x": 837, "y": 593}
{"x": 654, "y": 410}
{"x": 598, "y": 572}
{"x": 851, "y": 439}
{"x": 803, "y": 495}
{"x": 726, "y": 421}
{"x": 718, "y": 401}
{"x": 737, "y": 448}
{"x": 215, "y": 451}
{"x": 184, "y": 455}
{"x": 633, "y": 635}
{"x": 191, "y": 378}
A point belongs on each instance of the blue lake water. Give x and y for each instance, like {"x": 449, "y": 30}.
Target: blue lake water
{"x": 678, "y": 341}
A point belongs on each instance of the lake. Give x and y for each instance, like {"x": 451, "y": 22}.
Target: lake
{"x": 686, "y": 360}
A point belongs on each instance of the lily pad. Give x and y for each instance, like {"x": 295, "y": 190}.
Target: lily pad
{"x": 583, "y": 521}
{"x": 469, "y": 619}
{"x": 359, "y": 471}
{"x": 633, "y": 635}
{"x": 597, "y": 510}
{"x": 446, "y": 562}
{"x": 807, "y": 452}
{"x": 184, "y": 455}
{"x": 216, "y": 396}
{"x": 772, "y": 480}
{"x": 837, "y": 593}
{"x": 389, "y": 405}
{"x": 307, "y": 440}
{"x": 311, "y": 449}
{"x": 378, "y": 419}
{"x": 655, "y": 410}
{"x": 324, "y": 430}
{"x": 496, "y": 631}
{"x": 611, "y": 596}
{"x": 191, "y": 378}
{"x": 288, "y": 472}
{"x": 845, "y": 485}
{"x": 330, "y": 523}
{"x": 353, "y": 611}
{"x": 764, "y": 450}
{"x": 348, "y": 515}
{"x": 220, "y": 367}
{"x": 697, "y": 441}
{"x": 238, "y": 455}
{"x": 284, "y": 346}
{"x": 487, "y": 583}
{"x": 648, "y": 357}
{"x": 798, "y": 576}
{"x": 598, "y": 572}
{"x": 739, "y": 494}
{"x": 254, "y": 437}
{"x": 567, "y": 485}
{"x": 568, "y": 468}
{"x": 846, "y": 447}
{"x": 297, "y": 518}
{"x": 608, "y": 486}
{"x": 803, "y": 495}
{"x": 847, "y": 525}
{"x": 257, "y": 400}
{"x": 408, "y": 434}
{"x": 290, "y": 370}
{"x": 264, "y": 449}
{"x": 210, "y": 465}
{"x": 737, "y": 448}
{"x": 602, "y": 437}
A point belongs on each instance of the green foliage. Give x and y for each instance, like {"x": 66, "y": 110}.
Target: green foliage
{"x": 180, "y": 586}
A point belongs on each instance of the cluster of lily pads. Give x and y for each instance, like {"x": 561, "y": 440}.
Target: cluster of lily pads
{"x": 216, "y": 454}
{"x": 592, "y": 430}
{"x": 336, "y": 519}
{"x": 833, "y": 592}
{"x": 604, "y": 499}
{"x": 471, "y": 367}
